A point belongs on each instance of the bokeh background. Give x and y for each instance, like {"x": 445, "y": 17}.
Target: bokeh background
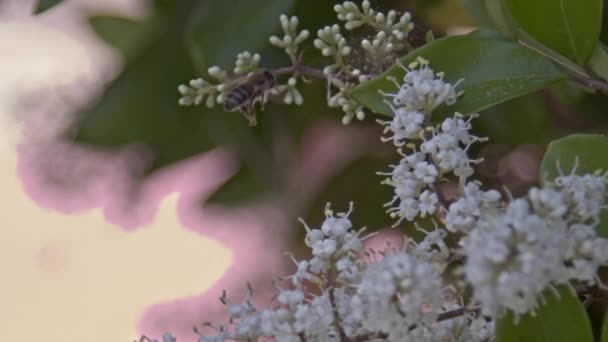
{"x": 124, "y": 214}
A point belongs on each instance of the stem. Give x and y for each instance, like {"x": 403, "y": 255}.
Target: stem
{"x": 594, "y": 84}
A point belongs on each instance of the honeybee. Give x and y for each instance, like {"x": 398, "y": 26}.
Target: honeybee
{"x": 244, "y": 97}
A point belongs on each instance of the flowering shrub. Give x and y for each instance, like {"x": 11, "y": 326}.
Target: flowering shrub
{"x": 492, "y": 266}
{"x": 484, "y": 256}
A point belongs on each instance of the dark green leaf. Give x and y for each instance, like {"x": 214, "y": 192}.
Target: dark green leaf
{"x": 125, "y": 34}
{"x": 570, "y": 27}
{"x": 494, "y": 70}
{"x": 242, "y": 188}
{"x": 44, "y": 5}
{"x": 140, "y": 106}
{"x": 560, "y": 319}
{"x": 503, "y": 123}
{"x": 218, "y": 30}
{"x": 590, "y": 152}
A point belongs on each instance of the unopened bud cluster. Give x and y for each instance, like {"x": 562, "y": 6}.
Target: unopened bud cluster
{"x": 393, "y": 29}
{"x": 291, "y": 38}
{"x": 388, "y": 43}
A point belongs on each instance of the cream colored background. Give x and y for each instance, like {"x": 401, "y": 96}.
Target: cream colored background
{"x": 76, "y": 278}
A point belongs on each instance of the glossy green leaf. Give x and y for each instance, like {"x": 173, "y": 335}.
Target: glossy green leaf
{"x": 127, "y": 35}
{"x": 45, "y": 5}
{"x": 560, "y": 319}
{"x": 570, "y": 27}
{"x": 588, "y": 151}
{"x": 219, "y": 30}
{"x": 494, "y": 70}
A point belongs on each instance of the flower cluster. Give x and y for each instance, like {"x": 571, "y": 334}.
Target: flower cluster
{"x": 512, "y": 250}
{"x": 547, "y": 238}
{"x": 441, "y": 150}
{"x": 335, "y": 295}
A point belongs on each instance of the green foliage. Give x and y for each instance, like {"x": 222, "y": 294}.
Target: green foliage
{"x": 560, "y": 319}
{"x": 128, "y": 35}
{"x": 605, "y": 329}
{"x": 494, "y": 70}
{"x": 585, "y": 151}
{"x": 477, "y": 9}
{"x": 245, "y": 26}
{"x": 570, "y": 27}
{"x": 45, "y": 5}
{"x": 140, "y": 107}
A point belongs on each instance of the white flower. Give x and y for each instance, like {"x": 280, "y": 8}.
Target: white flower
{"x": 399, "y": 290}
{"x": 463, "y": 214}
{"x": 422, "y": 89}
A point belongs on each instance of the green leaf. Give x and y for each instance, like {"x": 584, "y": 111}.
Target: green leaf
{"x": 570, "y": 27}
{"x": 243, "y": 188}
{"x": 605, "y": 328}
{"x": 127, "y": 35}
{"x": 494, "y": 70}
{"x": 560, "y": 319}
{"x": 45, "y": 5}
{"x": 140, "y": 106}
{"x": 589, "y": 150}
{"x": 501, "y": 19}
{"x": 477, "y": 10}
{"x": 218, "y": 30}
{"x": 598, "y": 62}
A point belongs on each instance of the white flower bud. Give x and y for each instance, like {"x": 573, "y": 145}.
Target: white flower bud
{"x": 292, "y": 81}
{"x": 274, "y": 40}
{"x": 185, "y": 101}
{"x": 183, "y": 89}
{"x": 360, "y": 115}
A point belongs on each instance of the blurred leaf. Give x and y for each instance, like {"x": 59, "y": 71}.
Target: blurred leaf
{"x": 127, "y": 35}
{"x": 477, "y": 10}
{"x": 605, "y": 328}
{"x": 45, "y": 5}
{"x": 501, "y": 19}
{"x": 140, "y": 106}
{"x": 494, "y": 70}
{"x": 368, "y": 196}
{"x": 589, "y": 150}
{"x": 598, "y": 62}
{"x": 242, "y": 188}
{"x": 560, "y": 319}
{"x": 570, "y": 27}
{"x": 523, "y": 120}
{"x": 218, "y": 30}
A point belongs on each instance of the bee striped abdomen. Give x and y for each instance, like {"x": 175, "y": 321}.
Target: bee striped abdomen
{"x": 238, "y": 97}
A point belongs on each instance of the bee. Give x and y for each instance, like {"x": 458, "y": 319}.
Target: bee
{"x": 244, "y": 96}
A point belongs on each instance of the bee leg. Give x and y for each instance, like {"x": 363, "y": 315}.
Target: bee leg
{"x": 249, "y": 114}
